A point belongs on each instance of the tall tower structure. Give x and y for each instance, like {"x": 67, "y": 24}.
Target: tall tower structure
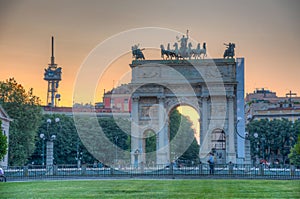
{"x": 52, "y": 75}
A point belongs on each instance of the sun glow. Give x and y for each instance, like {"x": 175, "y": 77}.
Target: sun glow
{"x": 192, "y": 114}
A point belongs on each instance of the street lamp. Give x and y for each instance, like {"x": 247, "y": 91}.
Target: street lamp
{"x": 116, "y": 141}
{"x": 261, "y": 143}
{"x": 263, "y": 147}
{"x": 78, "y": 155}
{"x": 257, "y": 157}
{"x": 49, "y": 144}
{"x": 42, "y": 136}
{"x": 247, "y": 157}
{"x": 236, "y": 131}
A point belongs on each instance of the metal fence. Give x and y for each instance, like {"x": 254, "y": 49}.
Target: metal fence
{"x": 197, "y": 171}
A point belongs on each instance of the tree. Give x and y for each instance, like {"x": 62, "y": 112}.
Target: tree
{"x": 3, "y": 143}
{"x": 295, "y": 153}
{"x": 87, "y": 143}
{"x": 183, "y": 142}
{"x": 275, "y": 138}
{"x": 24, "y": 108}
{"x": 66, "y": 144}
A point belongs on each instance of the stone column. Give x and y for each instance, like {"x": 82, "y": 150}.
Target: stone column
{"x": 204, "y": 140}
{"x": 231, "y": 153}
{"x": 163, "y": 149}
{"x": 135, "y": 137}
{"x": 204, "y": 119}
{"x": 49, "y": 157}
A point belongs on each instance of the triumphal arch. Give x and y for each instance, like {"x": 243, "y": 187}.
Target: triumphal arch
{"x": 207, "y": 85}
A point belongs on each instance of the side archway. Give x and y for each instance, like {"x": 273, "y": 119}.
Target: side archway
{"x": 218, "y": 145}
{"x": 149, "y": 147}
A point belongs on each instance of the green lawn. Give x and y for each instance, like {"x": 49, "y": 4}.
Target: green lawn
{"x": 152, "y": 189}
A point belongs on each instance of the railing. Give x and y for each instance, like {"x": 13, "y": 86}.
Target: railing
{"x": 196, "y": 171}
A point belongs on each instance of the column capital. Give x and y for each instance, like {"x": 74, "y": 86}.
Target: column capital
{"x": 135, "y": 98}
{"x": 161, "y": 98}
{"x": 204, "y": 97}
{"x": 230, "y": 97}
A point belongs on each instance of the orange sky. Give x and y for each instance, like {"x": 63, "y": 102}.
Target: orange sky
{"x": 265, "y": 32}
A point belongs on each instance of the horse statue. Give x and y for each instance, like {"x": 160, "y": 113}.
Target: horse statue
{"x": 198, "y": 51}
{"x": 168, "y": 47}
{"x": 137, "y": 52}
{"x": 189, "y": 51}
{"x": 176, "y": 50}
{"x": 168, "y": 53}
{"x": 229, "y": 52}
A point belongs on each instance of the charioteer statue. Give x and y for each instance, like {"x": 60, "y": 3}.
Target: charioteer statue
{"x": 184, "y": 51}
{"x": 183, "y": 44}
{"x": 229, "y": 52}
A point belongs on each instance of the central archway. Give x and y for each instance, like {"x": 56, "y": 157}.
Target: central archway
{"x": 184, "y": 123}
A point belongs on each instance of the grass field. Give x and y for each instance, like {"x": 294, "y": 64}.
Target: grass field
{"x": 152, "y": 189}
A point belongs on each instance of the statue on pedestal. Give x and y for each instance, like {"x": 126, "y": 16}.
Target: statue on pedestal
{"x": 137, "y": 52}
{"x": 229, "y": 52}
{"x": 184, "y": 51}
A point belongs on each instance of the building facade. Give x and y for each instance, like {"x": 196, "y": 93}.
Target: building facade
{"x": 118, "y": 99}
{"x": 265, "y": 104}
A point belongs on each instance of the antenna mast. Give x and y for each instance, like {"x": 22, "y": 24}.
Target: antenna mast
{"x": 52, "y": 54}
{"x": 53, "y": 76}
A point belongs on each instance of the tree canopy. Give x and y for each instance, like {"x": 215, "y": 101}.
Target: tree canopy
{"x": 3, "y": 143}
{"x": 24, "y": 107}
{"x": 87, "y": 146}
{"x": 184, "y": 146}
{"x": 295, "y": 153}
{"x": 274, "y": 138}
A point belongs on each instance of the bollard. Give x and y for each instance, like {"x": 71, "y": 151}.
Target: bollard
{"x": 171, "y": 168}
{"x": 25, "y": 169}
{"x": 261, "y": 169}
{"x": 83, "y": 169}
{"x": 112, "y": 171}
{"x": 200, "y": 168}
{"x": 230, "y": 168}
{"x": 142, "y": 167}
{"x": 292, "y": 169}
{"x": 55, "y": 168}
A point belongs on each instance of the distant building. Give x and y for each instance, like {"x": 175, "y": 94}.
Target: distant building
{"x": 118, "y": 99}
{"x": 290, "y": 113}
{"x": 5, "y": 120}
{"x": 265, "y": 104}
{"x": 261, "y": 94}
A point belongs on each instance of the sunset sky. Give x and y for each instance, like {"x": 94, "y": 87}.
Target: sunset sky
{"x": 266, "y": 33}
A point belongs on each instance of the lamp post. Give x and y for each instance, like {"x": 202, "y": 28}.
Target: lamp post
{"x": 260, "y": 147}
{"x": 42, "y": 136}
{"x": 263, "y": 147}
{"x": 116, "y": 141}
{"x": 247, "y": 159}
{"x": 49, "y": 146}
{"x": 257, "y": 157}
{"x": 78, "y": 155}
